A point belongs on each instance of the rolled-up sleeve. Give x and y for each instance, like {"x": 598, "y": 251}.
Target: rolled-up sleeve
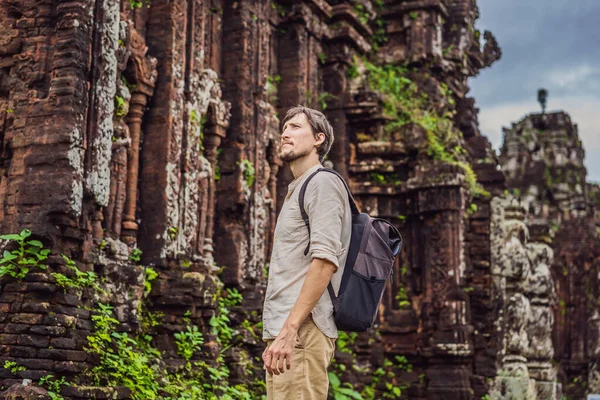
{"x": 325, "y": 204}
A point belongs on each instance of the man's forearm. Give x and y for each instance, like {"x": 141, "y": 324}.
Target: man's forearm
{"x": 317, "y": 279}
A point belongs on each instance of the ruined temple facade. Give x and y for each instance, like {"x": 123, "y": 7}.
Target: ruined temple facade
{"x": 542, "y": 157}
{"x": 143, "y": 136}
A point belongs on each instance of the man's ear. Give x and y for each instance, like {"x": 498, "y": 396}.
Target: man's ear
{"x": 320, "y": 139}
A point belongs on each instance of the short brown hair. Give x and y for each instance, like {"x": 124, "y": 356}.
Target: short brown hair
{"x": 319, "y": 124}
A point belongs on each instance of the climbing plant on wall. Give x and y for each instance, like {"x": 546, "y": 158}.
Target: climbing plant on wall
{"x": 404, "y": 103}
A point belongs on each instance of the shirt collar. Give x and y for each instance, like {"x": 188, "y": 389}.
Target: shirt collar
{"x": 293, "y": 184}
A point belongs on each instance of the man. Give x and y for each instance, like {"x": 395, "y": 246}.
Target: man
{"x": 298, "y": 314}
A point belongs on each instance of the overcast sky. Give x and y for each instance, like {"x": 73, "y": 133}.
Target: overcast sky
{"x": 554, "y": 44}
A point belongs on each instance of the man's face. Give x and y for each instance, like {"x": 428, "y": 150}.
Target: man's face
{"x": 297, "y": 139}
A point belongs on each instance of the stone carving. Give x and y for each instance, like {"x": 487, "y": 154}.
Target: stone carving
{"x": 510, "y": 269}
{"x": 521, "y": 271}
{"x": 142, "y": 69}
{"x": 539, "y": 287}
{"x": 113, "y": 213}
{"x": 542, "y": 158}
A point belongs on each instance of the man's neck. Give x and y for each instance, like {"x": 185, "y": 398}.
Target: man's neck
{"x": 301, "y": 165}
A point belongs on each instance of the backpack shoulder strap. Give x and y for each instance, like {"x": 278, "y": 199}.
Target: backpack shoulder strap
{"x": 302, "y": 194}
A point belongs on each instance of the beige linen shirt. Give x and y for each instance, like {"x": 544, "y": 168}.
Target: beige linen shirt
{"x": 326, "y": 203}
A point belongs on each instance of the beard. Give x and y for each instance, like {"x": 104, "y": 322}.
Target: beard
{"x": 291, "y": 155}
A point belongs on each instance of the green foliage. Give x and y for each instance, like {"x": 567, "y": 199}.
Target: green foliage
{"x": 138, "y": 4}
{"x": 279, "y": 8}
{"x": 413, "y": 15}
{"x": 447, "y": 50}
{"x": 402, "y": 297}
{"x": 386, "y": 179}
{"x": 341, "y": 391}
{"x": 28, "y": 255}
{"x": 130, "y": 86}
{"x": 136, "y": 255}
{"x": 78, "y": 279}
{"x": 322, "y": 99}
{"x": 361, "y": 12}
{"x": 403, "y": 270}
{"x": 563, "y": 307}
{"x": 189, "y": 342}
{"x": 322, "y": 57}
{"x": 402, "y": 363}
{"x": 353, "y": 71}
{"x": 172, "y": 231}
{"x": 272, "y": 82}
{"x": 151, "y": 275}
{"x": 131, "y": 360}
{"x": 124, "y": 361}
{"x": 447, "y": 94}
{"x": 472, "y": 209}
{"x": 248, "y": 172}
{"x": 381, "y": 377}
{"x": 220, "y": 323}
{"x": 197, "y": 127}
{"x": 53, "y": 385}
{"x": 120, "y": 111}
{"x": 134, "y": 363}
{"x": 345, "y": 340}
{"x": 402, "y": 104}
{"x": 380, "y": 34}
{"x": 13, "y": 367}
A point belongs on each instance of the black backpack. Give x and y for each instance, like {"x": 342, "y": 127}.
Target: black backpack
{"x": 374, "y": 243}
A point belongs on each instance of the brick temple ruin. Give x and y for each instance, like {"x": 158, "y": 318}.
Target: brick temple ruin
{"x": 141, "y": 134}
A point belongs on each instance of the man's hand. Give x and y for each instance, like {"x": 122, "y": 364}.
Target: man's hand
{"x": 278, "y": 355}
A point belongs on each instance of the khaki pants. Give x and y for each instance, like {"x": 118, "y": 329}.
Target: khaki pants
{"x": 307, "y": 379}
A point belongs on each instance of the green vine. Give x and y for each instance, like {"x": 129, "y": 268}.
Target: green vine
{"x": 402, "y": 104}
{"x": 131, "y": 360}
{"x": 78, "y": 279}
{"x": 383, "y": 382}
{"x": 53, "y": 385}
{"x": 27, "y": 256}
{"x": 380, "y": 34}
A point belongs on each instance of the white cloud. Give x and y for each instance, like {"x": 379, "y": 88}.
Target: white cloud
{"x": 570, "y": 77}
{"x": 584, "y": 111}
